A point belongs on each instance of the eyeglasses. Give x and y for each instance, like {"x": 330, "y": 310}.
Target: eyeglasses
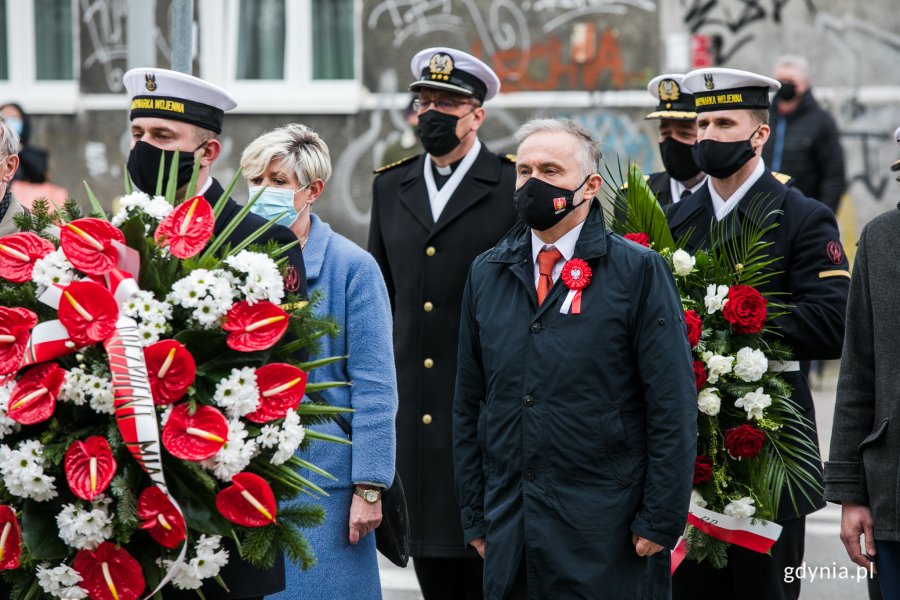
{"x": 443, "y": 104}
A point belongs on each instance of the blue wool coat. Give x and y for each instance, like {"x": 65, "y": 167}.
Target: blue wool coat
{"x": 355, "y": 296}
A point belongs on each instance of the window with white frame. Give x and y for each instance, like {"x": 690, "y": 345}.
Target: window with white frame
{"x": 289, "y": 56}
{"x": 37, "y": 55}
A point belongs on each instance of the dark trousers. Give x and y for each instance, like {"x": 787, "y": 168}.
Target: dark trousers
{"x": 749, "y": 575}
{"x": 887, "y": 561}
{"x": 450, "y": 578}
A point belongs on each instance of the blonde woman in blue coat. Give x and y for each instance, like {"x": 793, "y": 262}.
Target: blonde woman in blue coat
{"x": 293, "y": 164}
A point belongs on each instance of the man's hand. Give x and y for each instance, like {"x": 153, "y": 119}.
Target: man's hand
{"x": 364, "y": 517}
{"x": 856, "y": 519}
{"x": 643, "y": 546}
{"x": 478, "y": 544}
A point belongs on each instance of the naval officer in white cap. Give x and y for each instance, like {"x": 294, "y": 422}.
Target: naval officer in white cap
{"x": 174, "y": 111}
{"x": 432, "y": 214}
{"x": 810, "y": 271}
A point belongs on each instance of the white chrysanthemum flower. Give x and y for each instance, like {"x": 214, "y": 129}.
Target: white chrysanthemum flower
{"x": 717, "y": 365}
{"x": 80, "y": 388}
{"x": 268, "y": 436}
{"x": 708, "y": 401}
{"x": 7, "y": 425}
{"x": 101, "y": 395}
{"x": 151, "y": 316}
{"x": 683, "y": 263}
{"x": 23, "y": 472}
{"x": 238, "y": 394}
{"x": 697, "y": 499}
{"x": 208, "y": 312}
{"x": 740, "y": 509}
{"x": 164, "y": 415}
{"x": 158, "y": 208}
{"x": 263, "y": 280}
{"x": 716, "y": 297}
{"x": 208, "y": 560}
{"x": 53, "y": 269}
{"x": 73, "y": 389}
{"x": 84, "y": 529}
{"x": 754, "y": 402}
{"x": 235, "y": 455}
{"x": 751, "y": 365}
{"x": 289, "y": 438}
{"x": 136, "y": 200}
{"x": 60, "y": 582}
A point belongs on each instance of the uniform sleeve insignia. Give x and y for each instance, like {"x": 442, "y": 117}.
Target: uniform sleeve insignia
{"x": 402, "y": 161}
{"x": 835, "y": 252}
{"x": 782, "y": 178}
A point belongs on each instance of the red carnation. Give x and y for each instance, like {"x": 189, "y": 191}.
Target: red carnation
{"x": 88, "y": 312}
{"x": 703, "y": 468}
{"x": 639, "y": 238}
{"x": 160, "y": 518}
{"x": 254, "y": 326}
{"x": 745, "y": 309}
{"x": 88, "y": 244}
{"x": 19, "y": 252}
{"x": 15, "y": 329}
{"x": 249, "y": 502}
{"x": 187, "y": 228}
{"x": 34, "y": 398}
{"x": 281, "y": 387}
{"x": 195, "y": 436}
{"x": 699, "y": 374}
{"x": 109, "y": 573}
{"x": 10, "y": 539}
{"x": 744, "y": 441}
{"x": 90, "y": 467}
{"x": 694, "y": 327}
{"x": 171, "y": 370}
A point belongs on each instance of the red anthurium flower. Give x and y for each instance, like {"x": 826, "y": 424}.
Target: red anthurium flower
{"x": 248, "y": 502}
{"x": 187, "y": 228}
{"x": 33, "y": 399}
{"x": 10, "y": 539}
{"x": 160, "y": 518}
{"x": 89, "y": 467}
{"x": 281, "y": 387}
{"x": 18, "y": 253}
{"x": 195, "y": 436}
{"x": 254, "y": 326}
{"x": 15, "y": 327}
{"x": 109, "y": 573}
{"x": 171, "y": 369}
{"x": 87, "y": 243}
{"x": 88, "y": 312}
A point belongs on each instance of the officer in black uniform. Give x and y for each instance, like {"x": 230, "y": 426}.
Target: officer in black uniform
{"x": 173, "y": 111}
{"x": 811, "y": 270}
{"x": 677, "y": 134}
{"x": 431, "y": 216}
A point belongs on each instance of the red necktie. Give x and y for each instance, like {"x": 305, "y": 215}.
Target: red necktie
{"x": 546, "y": 260}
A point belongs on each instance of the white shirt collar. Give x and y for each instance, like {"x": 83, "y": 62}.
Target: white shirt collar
{"x": 676, "y": 187}
{"x": 206, "y": 186}
{"x": 565, "y": 245}
{"x": 723, "y": 207}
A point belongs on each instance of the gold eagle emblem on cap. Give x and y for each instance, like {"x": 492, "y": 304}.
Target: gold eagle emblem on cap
{"x": 150, "y": 82}
{"x": 669, "y": 90}
{"x": 710, "y": 84}
{"x": 441, "y": 66}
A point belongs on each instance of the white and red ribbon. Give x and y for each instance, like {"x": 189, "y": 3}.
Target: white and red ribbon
{"x": 572, "y": 303}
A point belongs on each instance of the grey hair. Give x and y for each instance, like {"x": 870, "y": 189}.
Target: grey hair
{"x": 588, "y": 144}
{"x": 9, "y": 141}
{"x": 299, "y": 148}
{"x": 794, "y": 60}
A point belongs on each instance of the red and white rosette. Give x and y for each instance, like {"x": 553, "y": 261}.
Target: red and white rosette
{"x": 576, "y": 274}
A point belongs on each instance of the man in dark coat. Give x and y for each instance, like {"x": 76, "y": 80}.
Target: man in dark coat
{"x": 805, "y": 142}
{"x": 431, "y": 216}
{"x": 174, "y": 111}
{"x": 574, "y": 420}
{"x": 811, "y": 273}
{"x": 677, "y": 134}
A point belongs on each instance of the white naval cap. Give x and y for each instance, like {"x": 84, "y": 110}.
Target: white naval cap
{"x": 674, "y": 102}
{"x": 717, "y": 88}
{"x": 455, "y": 71}
{"x": 178, "y": 96}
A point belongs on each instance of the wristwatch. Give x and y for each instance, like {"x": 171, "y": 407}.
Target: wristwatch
{"x": 369, "y": 495}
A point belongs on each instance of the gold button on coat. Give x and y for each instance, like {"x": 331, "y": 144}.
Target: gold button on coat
{"x": 428, "y": 307}
{"x": 428, "y": 363}
{"x": 426, "y": 419}
{"x": 430, "y": 250}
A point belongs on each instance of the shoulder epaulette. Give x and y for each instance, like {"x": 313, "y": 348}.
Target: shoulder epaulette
{"x": 782, "y": 178}
{"x": 402, "y": 161}
{"x": 625, "y": 185}
{"x": 509, "y": 158}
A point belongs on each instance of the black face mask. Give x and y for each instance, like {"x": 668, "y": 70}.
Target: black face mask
{"x": 143, "y": 166}
{"x": 678, "y": 159}
{"x": 787, "y": 91}
{"x": 437, "y": 131}
{"x": 542, "y": 205}
{"x": 723, "y": 159}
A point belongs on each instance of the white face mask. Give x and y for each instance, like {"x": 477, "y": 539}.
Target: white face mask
{"x": 275, "y": 201}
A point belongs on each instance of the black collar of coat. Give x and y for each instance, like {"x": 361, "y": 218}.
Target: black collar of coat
{"x": 516, "y": 244}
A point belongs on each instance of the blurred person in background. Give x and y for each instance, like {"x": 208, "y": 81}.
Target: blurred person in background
{"x": 31, "y": 180}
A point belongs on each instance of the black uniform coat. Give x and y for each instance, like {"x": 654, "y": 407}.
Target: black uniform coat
{"x": 660, "y": 184}
{"x": 570, "y": 432}
{"x": 425, "y": 265}
{"x": 811, "y": 269}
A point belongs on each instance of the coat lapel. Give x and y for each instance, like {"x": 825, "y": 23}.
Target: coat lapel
{"x": 694, "y": 215}
{"x": 414, "y": 194}
{"x": 481, "y": 179}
